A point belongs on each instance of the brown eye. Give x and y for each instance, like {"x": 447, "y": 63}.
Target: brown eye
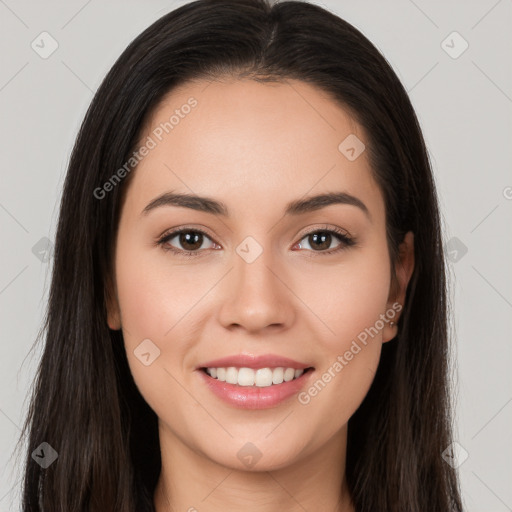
{"x": 190, "y": 240}
{"x": 186, "y": 241}
{"x": 321, "y": 240}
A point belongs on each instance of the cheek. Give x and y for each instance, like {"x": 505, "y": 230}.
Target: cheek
{"x": 151, "y": 304}
{"x": 159, "y": 300}
{"x": 152, "y": 293}
{"x": 348, "y": 298}
{"x": 350, "y": 303}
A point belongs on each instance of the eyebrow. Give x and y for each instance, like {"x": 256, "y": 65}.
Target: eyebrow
{"x": 214, "y": 207}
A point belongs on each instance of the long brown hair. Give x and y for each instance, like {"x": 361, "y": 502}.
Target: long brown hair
{"x": 85, "y": 403}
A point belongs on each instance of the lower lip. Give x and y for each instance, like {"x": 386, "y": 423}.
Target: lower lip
{"x": 253, "y": 397}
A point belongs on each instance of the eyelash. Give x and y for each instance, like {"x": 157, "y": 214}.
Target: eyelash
{"x": 345, "y": 240}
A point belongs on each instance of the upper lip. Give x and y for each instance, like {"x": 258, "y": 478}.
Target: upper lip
{"x": 254, "y": 362}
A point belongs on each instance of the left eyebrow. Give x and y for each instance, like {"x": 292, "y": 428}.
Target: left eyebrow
{"x": 214, "y": 207}
{"x": 320, "y": 201}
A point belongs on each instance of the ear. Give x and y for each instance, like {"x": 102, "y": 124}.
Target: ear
{"x": 113, "y": 311}
{"x": 403, "y": 271}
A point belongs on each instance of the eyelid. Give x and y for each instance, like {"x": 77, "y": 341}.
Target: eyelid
{"x": 169, "y": 234}
{"x": 308, "y": 230}
{"x": 344, "y": 237}
{"x": 324, "y": 227}
{"x": 178, "y": 230}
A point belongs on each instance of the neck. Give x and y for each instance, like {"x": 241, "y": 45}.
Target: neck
{"x": 190, "y": 481}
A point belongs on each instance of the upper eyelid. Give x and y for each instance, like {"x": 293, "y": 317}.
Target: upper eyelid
{"x": 172, "y": 233}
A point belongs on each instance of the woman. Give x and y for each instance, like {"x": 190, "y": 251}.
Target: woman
{"x": 248, "y": 304}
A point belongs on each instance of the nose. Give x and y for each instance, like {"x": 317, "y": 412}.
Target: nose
{"x": 256, "y": 296}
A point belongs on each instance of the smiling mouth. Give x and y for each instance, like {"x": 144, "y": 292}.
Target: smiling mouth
{"x": 261, "y": 377}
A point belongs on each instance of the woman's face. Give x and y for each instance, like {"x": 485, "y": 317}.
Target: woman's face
{"x": 265, "y": 279}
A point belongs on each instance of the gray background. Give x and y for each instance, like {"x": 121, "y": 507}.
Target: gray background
{"x": 464, "y": 105}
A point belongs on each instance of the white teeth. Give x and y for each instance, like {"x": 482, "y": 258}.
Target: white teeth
{"x": 231, "y": 375}
{"x": 277, "y": 376}
{"x": 289, "y": 374}
{"x": 263, "y": 377}
{"x": 246, "y": 377}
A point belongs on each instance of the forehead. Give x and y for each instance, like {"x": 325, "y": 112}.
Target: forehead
{"x": 248, "y": 142}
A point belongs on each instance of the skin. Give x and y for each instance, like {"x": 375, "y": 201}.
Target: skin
{"x": 255, "y": 147}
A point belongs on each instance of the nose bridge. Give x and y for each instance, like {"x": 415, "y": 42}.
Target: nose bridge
{"x": 252, "y": 268}
{"x": 256, "y": 296}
